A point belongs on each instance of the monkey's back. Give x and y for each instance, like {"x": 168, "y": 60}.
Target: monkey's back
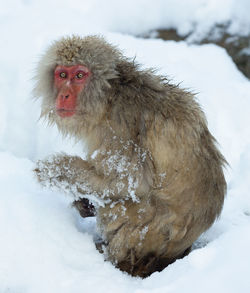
{"x": 187, "y": 185}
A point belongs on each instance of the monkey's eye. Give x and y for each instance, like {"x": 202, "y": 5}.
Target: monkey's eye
{"x": 80, "y": 75}
{"x": 63, "y": 75}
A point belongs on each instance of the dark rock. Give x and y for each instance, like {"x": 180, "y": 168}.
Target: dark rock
{"x": 238, "y": 47}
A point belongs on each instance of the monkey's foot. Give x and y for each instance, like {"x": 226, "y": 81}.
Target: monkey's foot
{"x": 85, "y": 208}
{"x": 148, "y": 264}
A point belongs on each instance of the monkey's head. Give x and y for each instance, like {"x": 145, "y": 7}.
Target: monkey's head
{"x": 73, "y": 79}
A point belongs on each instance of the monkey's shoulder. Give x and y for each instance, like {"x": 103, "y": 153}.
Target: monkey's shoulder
{"x": 146, "y": 90}
{"x": 157, "y": 101}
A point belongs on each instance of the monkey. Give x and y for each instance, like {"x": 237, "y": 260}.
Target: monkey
{"x": 153, "y": 175}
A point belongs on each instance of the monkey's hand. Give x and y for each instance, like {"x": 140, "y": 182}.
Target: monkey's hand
{"x": 55, "y": 169}
{"x": 69, "y": 174}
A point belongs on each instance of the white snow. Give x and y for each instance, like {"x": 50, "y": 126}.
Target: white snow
{"x": 44, "y": 244}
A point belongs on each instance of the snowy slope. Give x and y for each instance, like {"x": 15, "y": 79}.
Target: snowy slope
{"x": 45, "y": 246}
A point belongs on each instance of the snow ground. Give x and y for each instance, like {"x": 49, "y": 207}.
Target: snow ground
{"x": 45, "y": 246}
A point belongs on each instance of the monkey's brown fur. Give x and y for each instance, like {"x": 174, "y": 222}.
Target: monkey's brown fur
{"x": 152, "y": 165}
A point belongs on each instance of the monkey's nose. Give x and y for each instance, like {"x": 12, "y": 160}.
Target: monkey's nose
{"x": 64, "y": 97}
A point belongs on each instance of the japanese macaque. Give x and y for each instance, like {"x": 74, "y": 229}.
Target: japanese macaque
{"x": 153, "y": 174}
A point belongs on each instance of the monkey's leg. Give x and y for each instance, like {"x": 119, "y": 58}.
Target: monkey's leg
{"x": 140, "y": 237}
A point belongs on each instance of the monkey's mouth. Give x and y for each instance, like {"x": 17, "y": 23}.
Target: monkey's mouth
{"x": 65, "y": 113}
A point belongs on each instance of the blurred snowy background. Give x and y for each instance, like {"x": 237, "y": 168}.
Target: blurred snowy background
{"x": 44, "y": 245}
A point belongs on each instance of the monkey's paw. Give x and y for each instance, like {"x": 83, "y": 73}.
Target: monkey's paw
{"x": 50, "y": 171}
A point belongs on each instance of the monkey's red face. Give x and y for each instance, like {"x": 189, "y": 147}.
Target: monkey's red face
{"x": 69, "y": 82}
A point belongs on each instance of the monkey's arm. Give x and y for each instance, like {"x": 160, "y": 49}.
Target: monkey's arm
{"x": 80, "y": 178}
